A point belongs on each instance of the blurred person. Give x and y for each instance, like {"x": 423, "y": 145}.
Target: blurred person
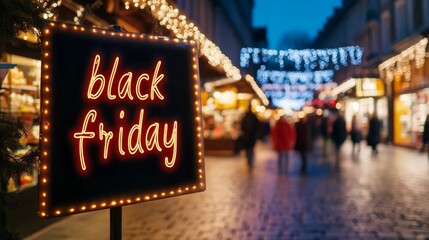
{"x": 325, "y": 132}
{"x": 374, "y": 133}
{"x": 425, "y": 135}
{"x": 264, "y": 130}
{"x": 283, "y": 138}
{"x": 249, "y": 134}
{"x": 338, "y": 135}
{"x": 303, "y": 142}
{"x": 356, "y": 133}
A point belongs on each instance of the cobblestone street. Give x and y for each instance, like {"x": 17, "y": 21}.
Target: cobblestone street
{"x": 384, "y": 196}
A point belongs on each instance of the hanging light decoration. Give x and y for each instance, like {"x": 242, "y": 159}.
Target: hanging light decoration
{"x": 401, "y": 63}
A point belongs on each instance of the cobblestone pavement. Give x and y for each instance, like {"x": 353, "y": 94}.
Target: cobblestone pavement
{"x": 384, "y": 196}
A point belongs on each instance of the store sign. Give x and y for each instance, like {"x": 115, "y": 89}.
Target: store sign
{"x": 369, "y": 87}
{"x": 121, "y": 119}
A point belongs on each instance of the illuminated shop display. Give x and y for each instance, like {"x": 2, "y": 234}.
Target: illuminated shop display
{"x": 369, "y": 87}
{"x": 410, "y": 114}
{"x": 121, "y": 119}
{"x": 20, "y": 100}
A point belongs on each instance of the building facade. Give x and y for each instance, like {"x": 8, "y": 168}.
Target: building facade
{"x": 393, "y": 35}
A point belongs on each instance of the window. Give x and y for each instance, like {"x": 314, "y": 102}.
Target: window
{"x": 401, "y": 28}
{"x": 418, "y": 13}
{"x": 385, "y": 31}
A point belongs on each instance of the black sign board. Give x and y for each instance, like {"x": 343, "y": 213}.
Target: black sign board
{"x": 120, "y": 119}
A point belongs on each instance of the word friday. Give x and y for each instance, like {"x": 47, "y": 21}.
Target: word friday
{"x": 129, "y": 139}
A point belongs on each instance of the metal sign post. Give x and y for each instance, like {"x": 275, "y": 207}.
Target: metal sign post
{"x": 116, "y": 223}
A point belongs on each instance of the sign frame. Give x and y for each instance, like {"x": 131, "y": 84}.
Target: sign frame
{"x": 48, "y": 121}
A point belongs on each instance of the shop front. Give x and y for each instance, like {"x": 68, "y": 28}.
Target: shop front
{"x": 406, "y": 77}
{"x": 367, "y": 99}
{"x": 361, "y": 97}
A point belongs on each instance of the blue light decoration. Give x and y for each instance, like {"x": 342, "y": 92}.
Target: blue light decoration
{"x": 290, "y": 77}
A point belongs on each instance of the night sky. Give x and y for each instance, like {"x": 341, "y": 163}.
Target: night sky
{"x": 280, "y": 16}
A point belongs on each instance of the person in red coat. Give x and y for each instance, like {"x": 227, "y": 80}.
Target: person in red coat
{"x": 283, "y": 138}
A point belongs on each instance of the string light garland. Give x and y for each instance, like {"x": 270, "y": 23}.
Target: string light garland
{"x": 401, "y": 63}
{"x": 48, "y": 14}
{"x": 265, "y": 76}
{"x": 306, "y": 59}
{"x": 312, "y": 71}
{"x": 292, "y": 89}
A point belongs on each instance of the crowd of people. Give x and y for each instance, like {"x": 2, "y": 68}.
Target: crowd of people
{"x": 288, "y": 134}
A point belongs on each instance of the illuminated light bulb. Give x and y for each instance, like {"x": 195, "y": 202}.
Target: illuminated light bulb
{"x": 113, "y": 203}
{"x": 47, "y": 89}
{"x": 44, "y": 194}
{"x": 44, "y": 180}
{"x": 52, "y": 24}
{"x": 103, "y": 204}
{"x": 58, "y": 212}
{"x": 186, "y": 189}
{"x": 83, "y": 208}
{"x": 45, "y": 140}
{"x": 93, "y": 206}
{"x": 71, "y": 210}
{"x": 163, "y": 194}
{"x": 43, "y": 204}
{"x": 45, "y": 167}
{"x": 194, "y": 187}
{"x": 43, "y": 214}
{"x": 155, "y": 195}
{"x": 138, "y": 199}
{"x": 171, "y": 192}
{"x": 146, "y": 198}
{"x": 128, "y": 200}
